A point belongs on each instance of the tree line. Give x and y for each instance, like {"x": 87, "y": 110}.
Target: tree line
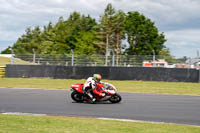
{"x": 116, "y": 32}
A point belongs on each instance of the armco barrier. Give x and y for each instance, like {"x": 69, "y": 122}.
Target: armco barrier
{"x": 112, "y": 73}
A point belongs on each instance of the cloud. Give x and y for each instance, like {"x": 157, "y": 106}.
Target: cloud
{"x": 168, "y": 15}
{"x": 179, "y": 19}
{"x": 183, "y": 42}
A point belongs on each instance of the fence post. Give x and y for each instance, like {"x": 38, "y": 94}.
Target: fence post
{"x": 113, "y": 59}
{"x": 107, "y": 39}
{"x": 12, "y": 57}
{"x": 33, "y": 56}
{"x": 153, "y": 55}
{"x": 72, "y": 57}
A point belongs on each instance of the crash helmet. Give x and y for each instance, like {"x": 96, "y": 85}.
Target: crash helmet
{"x": 97, "y": 77}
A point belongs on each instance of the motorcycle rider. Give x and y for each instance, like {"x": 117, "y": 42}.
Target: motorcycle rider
{"x": 90, "y": 84}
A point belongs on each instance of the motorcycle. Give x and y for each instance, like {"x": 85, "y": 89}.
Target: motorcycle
{"x": 108, "y": 90}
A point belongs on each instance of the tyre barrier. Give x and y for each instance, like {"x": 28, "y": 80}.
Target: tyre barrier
{"x": 2, "y": 71}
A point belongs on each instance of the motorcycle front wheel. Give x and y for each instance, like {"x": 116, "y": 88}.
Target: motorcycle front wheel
{"x": 115, "y": 98}
{"x": 77, "y": 97}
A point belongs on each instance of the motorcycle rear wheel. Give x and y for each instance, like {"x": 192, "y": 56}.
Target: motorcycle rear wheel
{"x": 115, "y": 98}
{"x": 77, "y": 97}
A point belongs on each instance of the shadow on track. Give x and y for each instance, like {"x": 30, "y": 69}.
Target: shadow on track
{"x": 96, "y": 103}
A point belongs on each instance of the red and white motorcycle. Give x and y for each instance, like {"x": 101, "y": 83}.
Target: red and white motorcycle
{"x": 109, "y": 91}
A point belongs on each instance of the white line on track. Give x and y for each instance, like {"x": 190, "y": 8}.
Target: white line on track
{"x": 100, "y": 118}
{"x": 20, "y": 113}
{"x": 129, "y": 120}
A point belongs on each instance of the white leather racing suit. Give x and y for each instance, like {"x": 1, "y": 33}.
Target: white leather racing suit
{"x": 89, "y": 85}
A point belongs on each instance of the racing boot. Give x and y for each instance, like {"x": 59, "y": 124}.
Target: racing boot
{"x": 91, "y": 97}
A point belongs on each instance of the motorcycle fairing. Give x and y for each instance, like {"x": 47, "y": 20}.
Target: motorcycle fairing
{"x": 78, "y": 87}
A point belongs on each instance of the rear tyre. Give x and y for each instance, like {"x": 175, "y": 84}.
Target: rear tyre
{"x": 77, "y": 97}
{"x": 115, "y": 98}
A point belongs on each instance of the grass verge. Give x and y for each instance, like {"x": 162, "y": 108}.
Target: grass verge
{"x": 57, "y": 124}
{"x": 122, "y": 86}
{"x": 6, "y": 60}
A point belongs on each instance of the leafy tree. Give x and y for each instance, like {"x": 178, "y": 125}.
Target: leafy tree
{"x": 82, "y": 37}
{"x": 47, "y": 42}
{"x": 28, "y": 41}
{"x": 107, "y": 26}
{"x": 143, "y": 36}
{"x": 85, "y": 44}
{"x": 82, "y": 34}
{"x": 119, "y": 31}
{"x": 7, "y": 51}
{"x": 59, "y": 39}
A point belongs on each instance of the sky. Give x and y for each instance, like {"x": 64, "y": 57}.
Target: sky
{"x": 179, "y": 20}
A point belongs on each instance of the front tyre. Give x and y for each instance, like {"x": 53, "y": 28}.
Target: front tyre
{"x": 115, "y": 98}
{"x": 77, "y": 97}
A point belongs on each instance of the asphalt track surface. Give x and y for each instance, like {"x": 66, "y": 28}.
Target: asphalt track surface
{"x": 181, "y": 109}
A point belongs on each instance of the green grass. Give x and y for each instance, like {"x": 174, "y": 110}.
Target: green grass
{"x": 6, "y": 60}
{"x": 122, "y": 86}
{"x": 58, "y": 124}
